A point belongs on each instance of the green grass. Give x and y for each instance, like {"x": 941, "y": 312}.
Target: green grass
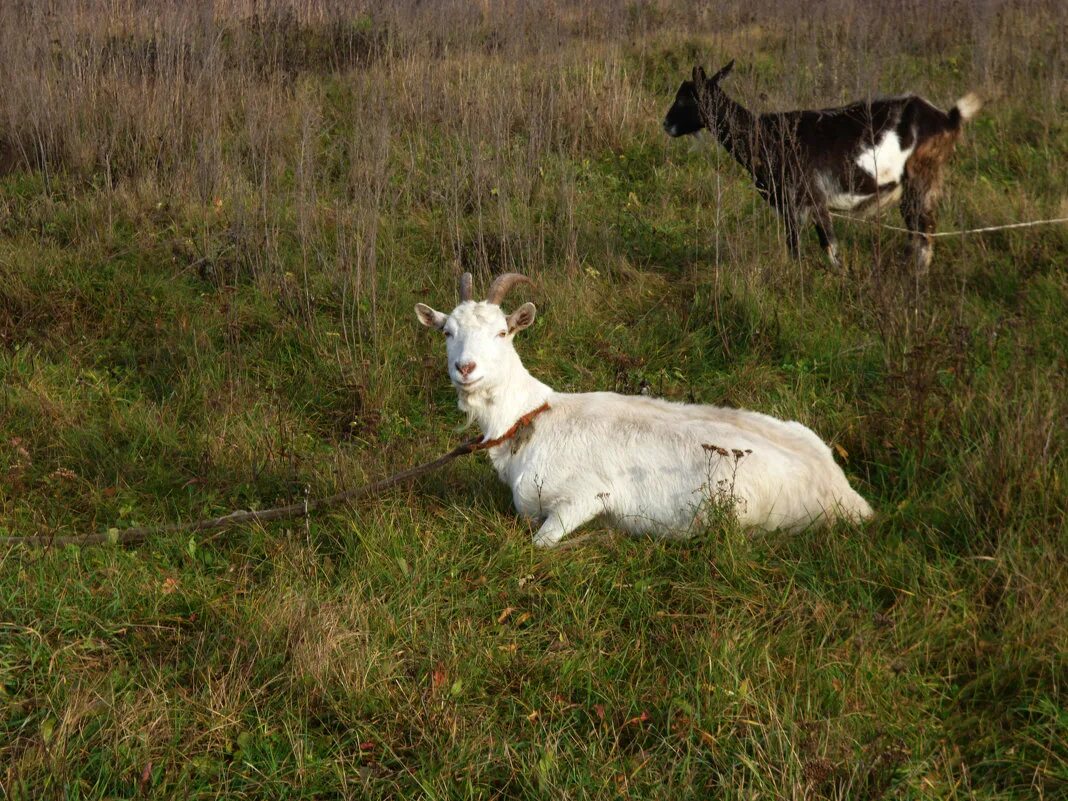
{"x": 219, "y": 316}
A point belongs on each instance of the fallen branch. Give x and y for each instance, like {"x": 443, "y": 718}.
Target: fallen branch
{"x": 294, "y": 510}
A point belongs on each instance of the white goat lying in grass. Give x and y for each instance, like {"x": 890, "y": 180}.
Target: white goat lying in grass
{"x": 650, "y": 465}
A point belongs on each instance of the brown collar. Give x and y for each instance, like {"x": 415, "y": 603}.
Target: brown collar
{"x": 520, "y": 424}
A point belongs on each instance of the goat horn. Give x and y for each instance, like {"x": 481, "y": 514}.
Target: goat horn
{"x": 465, "y": 287}
{"x": 502, "y": 284}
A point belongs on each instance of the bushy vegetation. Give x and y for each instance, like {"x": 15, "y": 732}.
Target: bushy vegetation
{"x": 214, "y": 222}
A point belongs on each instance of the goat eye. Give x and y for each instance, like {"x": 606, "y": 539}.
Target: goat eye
{"x": 503, "y": 334}
{"x": 448, "y": 333}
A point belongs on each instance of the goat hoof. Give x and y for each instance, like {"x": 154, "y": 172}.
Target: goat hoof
{"x": 835, "y": 263}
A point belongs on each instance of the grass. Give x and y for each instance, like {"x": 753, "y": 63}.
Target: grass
{"x": 211, "y": 239}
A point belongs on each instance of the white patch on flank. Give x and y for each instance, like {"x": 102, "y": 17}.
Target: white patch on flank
{"x": 886, "y": 161}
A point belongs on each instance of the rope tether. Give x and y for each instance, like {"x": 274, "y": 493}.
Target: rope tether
{"x": 301, "y": 509}
{"x": 954, "y": 233}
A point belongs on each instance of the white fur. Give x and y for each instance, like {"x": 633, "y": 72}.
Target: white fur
{"x": 846, "y": 201}
{"x": 885, "y": 162}
{"x": 640, "y": 461}
{"x": 969, "y": 105}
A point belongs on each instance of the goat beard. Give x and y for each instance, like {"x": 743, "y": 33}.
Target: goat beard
{"x": 466, "y": 408}
{"x": 470, "y": 421}
{"x": 701, "y": 140}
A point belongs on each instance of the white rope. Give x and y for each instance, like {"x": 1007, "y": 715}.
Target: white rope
{"x": 954, "y": 233}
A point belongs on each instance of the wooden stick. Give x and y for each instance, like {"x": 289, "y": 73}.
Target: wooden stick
{"x": 293, "y": 510}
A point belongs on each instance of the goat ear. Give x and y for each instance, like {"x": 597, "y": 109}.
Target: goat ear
{"x": 521, "y": 318}
{"x": 429, "y": 317}
{"x": 698, "y": 76}
{"x": 724, "y": 71}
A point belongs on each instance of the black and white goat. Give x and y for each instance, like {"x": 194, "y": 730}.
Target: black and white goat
{"x": 857, "y": 158}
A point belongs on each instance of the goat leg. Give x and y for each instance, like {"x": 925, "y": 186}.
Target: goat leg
{"x": 825, "y": 232}
{"x": 564, "y": 519}
{"x": 918, "y": 213}
{"x": 793, "y": 238}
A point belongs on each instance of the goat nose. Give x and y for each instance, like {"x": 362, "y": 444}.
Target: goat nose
{"x": 465, "y": 368}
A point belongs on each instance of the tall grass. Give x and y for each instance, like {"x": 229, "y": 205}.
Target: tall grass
{"x": 214, "y": 221}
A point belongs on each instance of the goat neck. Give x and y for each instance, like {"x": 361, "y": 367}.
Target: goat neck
{"x": 732, "y": 123}
{"x": 495, "y": 405}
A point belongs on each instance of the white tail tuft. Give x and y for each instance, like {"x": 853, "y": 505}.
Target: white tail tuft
{"x": 969, "y": 105}
{"x": 858, "y": 508}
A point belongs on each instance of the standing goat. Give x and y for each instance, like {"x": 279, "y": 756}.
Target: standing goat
{"x": 650, "y": 465}
{"x": 858, "y": 158}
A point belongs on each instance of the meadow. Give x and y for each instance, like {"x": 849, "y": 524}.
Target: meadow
{"x": 215, "y": 219}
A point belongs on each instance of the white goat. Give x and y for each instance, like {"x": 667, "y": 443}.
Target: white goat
{"x": 649, "y": 465}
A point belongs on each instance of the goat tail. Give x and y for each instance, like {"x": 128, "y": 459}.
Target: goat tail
{"x": 861, "y": 509}
{"x": 852, "y": 506}
{"x": 964, "y": 109}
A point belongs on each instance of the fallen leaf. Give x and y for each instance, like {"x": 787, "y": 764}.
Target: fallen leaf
{"x": 437, "y": 679}
{"x": 146, "y": 777}
{"x": 503, "y": 616}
